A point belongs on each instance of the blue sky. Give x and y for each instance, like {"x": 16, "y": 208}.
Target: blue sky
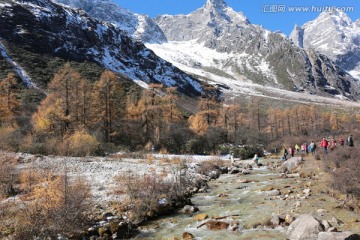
{"x": 271, "y": 14}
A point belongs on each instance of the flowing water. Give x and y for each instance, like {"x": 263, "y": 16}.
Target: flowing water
{"x": 250, "y": 201}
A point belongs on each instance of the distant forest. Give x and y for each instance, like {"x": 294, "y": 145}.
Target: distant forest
{"x": 79, "y": 117}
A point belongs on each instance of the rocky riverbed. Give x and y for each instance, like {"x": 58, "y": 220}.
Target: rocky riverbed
{"x": 235, "y": 200}
{"x": 275, "y": 201}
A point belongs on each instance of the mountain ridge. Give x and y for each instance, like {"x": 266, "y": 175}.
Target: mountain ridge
{"x": 45, "y": 28}
{"x": 138, "y": 26}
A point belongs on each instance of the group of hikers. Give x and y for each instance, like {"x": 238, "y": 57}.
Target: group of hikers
{"x": 325, "y": 144}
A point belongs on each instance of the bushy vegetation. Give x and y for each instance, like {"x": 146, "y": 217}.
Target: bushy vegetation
{"x": 344, "y": 166}
{"x": 8, "y": 176}
{"x": 46, "y": 203}
{"x": 210, "y": 165}
{"x": 150, "y": 195}
{"x": 247, "y": 152}
{"x": 81, "y": 143}
{"x": 5, "y": 68}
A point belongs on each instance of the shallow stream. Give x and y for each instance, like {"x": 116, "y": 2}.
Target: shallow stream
{"x": 250, "y": 201}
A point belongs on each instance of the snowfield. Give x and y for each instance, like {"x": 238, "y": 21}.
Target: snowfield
{"x": 194, "y": 58}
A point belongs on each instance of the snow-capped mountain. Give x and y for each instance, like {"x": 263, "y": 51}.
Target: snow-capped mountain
{"x": 216, "y": 42}
{"x": 214, "y": 21}
{"x": 138, "y": 26}
{"x": 51, "y": 30}
{"x": 335, "y": 35}
{"x": 221, "y": 46}
{"x": 213, "y": 43}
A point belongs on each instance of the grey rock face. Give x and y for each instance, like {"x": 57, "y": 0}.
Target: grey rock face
{"x": 329, "y": 78}
{"x": 138, "y": 26}
{"x": 297, "y": 36}
{"x": 335, "y": 35}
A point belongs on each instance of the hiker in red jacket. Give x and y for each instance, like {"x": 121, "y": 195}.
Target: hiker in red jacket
{"x": 324, "y": 144}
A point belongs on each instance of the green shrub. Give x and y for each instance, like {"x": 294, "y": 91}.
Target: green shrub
{"x": 224, "y": 149}
{"x": 197, "y": 145}
{"x": 247, "y": 152}
{"x": 175, "y": 139}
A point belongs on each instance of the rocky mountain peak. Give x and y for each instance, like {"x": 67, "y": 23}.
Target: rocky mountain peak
{"x": 219, "y": 10}
{"x": 334, "y": 35}
{"x": 215, "y": 4}
{"x": 357, "y": 22}
{"x": 335, "y": 17}
{"x": 215, "y": 20}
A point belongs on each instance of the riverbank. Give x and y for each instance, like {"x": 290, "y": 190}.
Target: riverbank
{"x": 119, "y": 191}
{"x": 235, "y": 201}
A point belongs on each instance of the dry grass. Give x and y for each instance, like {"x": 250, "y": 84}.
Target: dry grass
{"x": 163, "y": 151}
{"x": 49, "y": 204}
{"x": 150, "y": 159}
{"x": 164, "y": 173}
{"x": 8, "y": 176}
{"x": 143, "y": 191}
{"x": 210, "y": 165}
{"x": 130, "y": 155}
{"x": 173, "y": 161}
{"x": 165, "y": 161}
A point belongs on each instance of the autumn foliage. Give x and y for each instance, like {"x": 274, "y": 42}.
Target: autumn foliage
{"x": 78, "y": 117}
{"x": 41, "y": 202}
{"x": 53, "y": 205}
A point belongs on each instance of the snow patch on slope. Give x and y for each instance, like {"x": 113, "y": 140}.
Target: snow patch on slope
{"x": 188, "y": 53}
{"x": 5, "y": 5}
{"x": 190, "y": 56}
{"x": 140, "y": 27}
{"x": 355, "y": 73}
{"x": 19, "y": 70}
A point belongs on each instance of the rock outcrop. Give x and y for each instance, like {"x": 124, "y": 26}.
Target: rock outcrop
{"x": 304, "y": 227}
{"x": 291, "y": 164}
